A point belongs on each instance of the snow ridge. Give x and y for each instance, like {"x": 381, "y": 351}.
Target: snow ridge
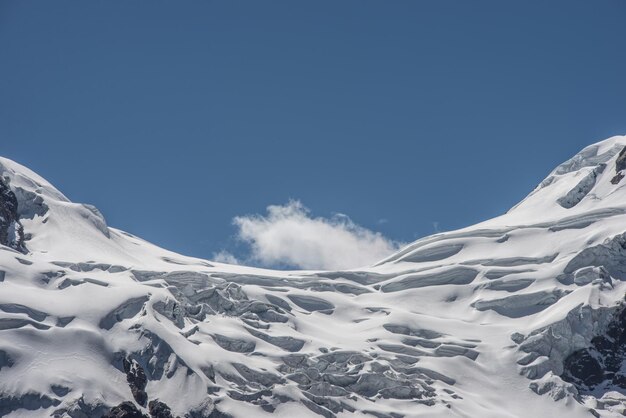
{"x": 521, "y": 315}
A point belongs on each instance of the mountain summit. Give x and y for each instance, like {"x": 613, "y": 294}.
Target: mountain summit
{"x": 521, "y": 315}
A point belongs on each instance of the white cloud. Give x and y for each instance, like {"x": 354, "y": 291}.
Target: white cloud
{"x": 289, "y": 236}
{"x": 225, "y": 257}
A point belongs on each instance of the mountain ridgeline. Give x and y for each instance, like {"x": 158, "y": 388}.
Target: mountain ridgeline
{"x": 521, "y": 315}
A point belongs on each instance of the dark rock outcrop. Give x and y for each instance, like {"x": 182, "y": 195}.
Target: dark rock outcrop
{"x": 617, "y": 178}
{"x": 581, "y": 367}
{"x": 601, "y": 363}
{"x": 159, "y": 410}
{"x": 125, "y": 410}
{"x": 29, "y": 401}
{"x": 620, "y": 165}
{"x": 11, "y": 230}
{"x": 137, "y": 381}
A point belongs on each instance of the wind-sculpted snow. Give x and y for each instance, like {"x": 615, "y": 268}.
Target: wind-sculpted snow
{"x": 520, "y": 305}
{"x": 518, "y": 316}
{"x": 311, "y": 303}
{"x": 611, "y": 255}
{"x": 233, "y": 344}
{"x": 126, "y": 310}
{"x": 31, "y": 204}
{"x": 456, "y": 276}
{"x": 87, "y": 267}
{"x": 434, "y": 253}
{"x": 578, "y": 193}
{"x": 508, "y": 285}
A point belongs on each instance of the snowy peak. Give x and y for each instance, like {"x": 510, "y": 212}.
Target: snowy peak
{"x": 42, "y": 208}
{"x": 521, "y": 315}
{"x": 56, "y": 229}
{"x": 589, "y": 180}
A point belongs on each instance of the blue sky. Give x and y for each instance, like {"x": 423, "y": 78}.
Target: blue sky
{"x": 176, "y": 117}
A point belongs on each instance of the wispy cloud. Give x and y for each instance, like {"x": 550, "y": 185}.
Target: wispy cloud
{"x": 289, "y": 236}
{"x": 225, "y": 257}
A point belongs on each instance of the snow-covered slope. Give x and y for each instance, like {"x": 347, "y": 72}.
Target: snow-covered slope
{"x": 517, "y": 316}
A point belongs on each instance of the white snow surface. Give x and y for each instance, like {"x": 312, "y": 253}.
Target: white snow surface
{"x": 435, "y": 330}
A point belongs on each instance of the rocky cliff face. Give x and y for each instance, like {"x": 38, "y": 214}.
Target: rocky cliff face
{"x": 600, "y": 366}
{"x": 11, "y": 230}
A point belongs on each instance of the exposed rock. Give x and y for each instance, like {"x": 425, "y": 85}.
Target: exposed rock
{"x": 378, "y": 351}
{"x": 582, "y": 367}
{"x": 137, "y": 380}
{"x": 125, "y": 410}
{"x": 206, "y": 410}
{"x": 159, "y": 410}
{"x": 601, "y": 362}
{"x": 29, "y": 401}
{"x": 78, "y": 408}
{"x": 11, "y": 230}
{"x": 5, "y": 360}
{"x": 620, "y": 163}
{"x": 617, "y": 178}
{"x": 548, "y": 347}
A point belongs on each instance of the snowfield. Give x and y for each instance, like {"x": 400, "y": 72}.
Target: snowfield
{"x": 518, "y": 316}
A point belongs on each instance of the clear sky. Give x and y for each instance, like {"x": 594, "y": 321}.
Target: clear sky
{"x": 407, "y": 116}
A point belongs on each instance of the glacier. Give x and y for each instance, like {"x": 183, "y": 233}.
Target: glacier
{"x": 521, "y": 315}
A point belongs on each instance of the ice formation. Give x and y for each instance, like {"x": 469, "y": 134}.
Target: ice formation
{"x": 518, "y": 316}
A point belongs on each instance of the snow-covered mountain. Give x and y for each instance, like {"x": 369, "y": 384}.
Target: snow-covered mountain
{"x": 518, "y": 316}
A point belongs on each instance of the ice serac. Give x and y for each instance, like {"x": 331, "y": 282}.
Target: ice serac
{"x": 521, "y": 315}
